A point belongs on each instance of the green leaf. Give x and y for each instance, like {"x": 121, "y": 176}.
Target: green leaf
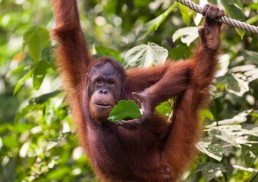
{"x": 214, "y": 151}
{"x": 234, "y": 84}
{"x": 206, "y": 113}
{"x": 164, "y": 108}
{"x": 154, "y": 24}
{"x": 146, "y": 55}
{"x": 43, "y": 98}
{"x": 186, "y": 13}
{"x": 39, "y": 73}
{"x": 104, "y": 51}
{"x": 251, "y": 56}
{"x": 187, "y": 35}
{"x": 18, "y": 70}
{"x": 227, "y": 134}
{"x": 47, "y": 54}
{"x": 237, "y": 119}
{"x": 58, "y": 173}
{"x": 240, "y": 32}
{"x": 248, "y": 156}
{"x": 180, "y": 52}
{"x": 124, "y": 110}
{"x": 27, "y": 109}
{"x": 224, "y": 61}
{"x": 21, "y": 81}
{"x": 211, "y": 170}
{"x": 36, "y": 38}
{"x": 233, "y": 10}
{"x": 10, "y": 141}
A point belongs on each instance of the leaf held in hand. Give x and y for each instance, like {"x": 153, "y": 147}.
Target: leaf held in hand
{"x": 124, "y": 110}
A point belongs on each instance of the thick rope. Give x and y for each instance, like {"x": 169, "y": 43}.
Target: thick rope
{"x": 223, "y": 19}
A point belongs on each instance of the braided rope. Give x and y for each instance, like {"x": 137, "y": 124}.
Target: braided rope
{"x": 223, "y": 19}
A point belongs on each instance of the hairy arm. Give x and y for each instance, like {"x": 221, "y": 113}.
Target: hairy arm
{"x": 138, "y": 79}
{"x": 184, "y": 130}
{"x": 72, "y": 52}
{"x": 142, "y": 79}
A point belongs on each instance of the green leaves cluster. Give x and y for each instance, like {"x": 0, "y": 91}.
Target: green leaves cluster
{"x": 37, "y": 40}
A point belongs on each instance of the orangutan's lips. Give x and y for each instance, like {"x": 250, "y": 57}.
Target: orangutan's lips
{"x": 103, "y": 105}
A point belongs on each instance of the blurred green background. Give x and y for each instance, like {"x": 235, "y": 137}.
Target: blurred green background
{"x": 37, "y": 139}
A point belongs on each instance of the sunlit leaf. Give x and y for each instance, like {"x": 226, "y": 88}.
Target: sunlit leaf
{"x": 197, "y": 19}
{"x": 164, "y": 108}
{"x": 206, "y": 114}
{"x": 224, "y": 61}
{"x": 187, "y": 35}
{"x": 146, "y": 55}
{"x": 24, "y": 149}
{"x": 124, "y": 110}
{"x": 240, "y": 32}
{"x": 253, "y": 132}
{"x": 186, "y": 13}
{"x": 252, "y": 20}
{"x": 251, "y": 170}
{"x": 214, "y": 151}
{"x": 239, "y": 118}
{"x": 234, "y": 84}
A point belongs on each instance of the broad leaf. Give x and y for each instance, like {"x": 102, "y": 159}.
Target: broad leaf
{"x": 21, "y": 81}
{"x": 187, "y": 35}
{"x": 237, "y": 119}
{"x": 206, "y": 113}
{"x": 124, "y": 110}
{"x": 211, "y": 170}
{"x": 43, "y": 98}
{"x": 234, "y": 84}
{"x": 146, "y": 55}
{"x": 18, "y": 70}
{"x": 251, "y": 56}
{"x": 224, "y": 61}
{"x": 249, "y": 169}
{"x": 164, "y": 108}
{"x": 39, "y": 73}
{"x": 36, "y": 38}
{"x": 214, "y": 151}
{"x": 186, "y": 13}
{"x": 235, "y": 12}
{"x": 154, "y": 24}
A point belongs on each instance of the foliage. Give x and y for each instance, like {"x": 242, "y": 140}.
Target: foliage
{"x": 124, "y": 110}
{"x": 37, "y": 138}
